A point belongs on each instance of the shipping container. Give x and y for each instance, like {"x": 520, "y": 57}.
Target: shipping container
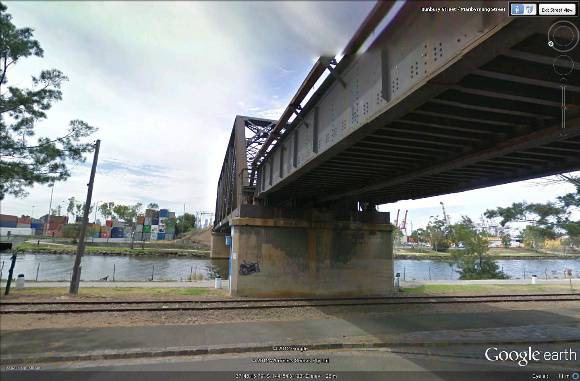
{"x": 153, "y": 236}
{"x": 19, "y": 225}
{"x": 169, "y": 236}
{"x": 160, "y": 236}
{"x": 148, "y": 220}
{"x": 24, "y": 220}
{"x": 105, "y": 234}
{"x": 146, "y": 228}
{"x": 139, "y": 228}
{"x": 117, "y": 232}
{"x": 163, "y": 213}
{"x": 60, "y": 220}
{"x": 155, "y": 221}
{"x": 37, "y": 225}
{"x": 8, "y": 217}
{"x": 8, "y": 224}
{"x": 154, "y": 228}
{"x": 5, "y": 231}
{"x": 109, "y": 223}
{"x": 171, "y": 215}
{"x": 141, "y": 220}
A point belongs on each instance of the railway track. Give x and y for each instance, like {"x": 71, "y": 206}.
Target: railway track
{"x": 77, "y": 307}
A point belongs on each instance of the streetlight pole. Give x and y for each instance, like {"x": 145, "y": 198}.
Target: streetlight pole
{"x": 47, "y": 222}
{"x": 95, "y": 219}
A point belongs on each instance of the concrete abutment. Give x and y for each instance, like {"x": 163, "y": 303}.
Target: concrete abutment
{"x": 312, "y": 255}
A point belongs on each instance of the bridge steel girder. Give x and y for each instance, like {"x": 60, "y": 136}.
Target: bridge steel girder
{"x": 233, "y": 182}
{"x": 405, "y": 78}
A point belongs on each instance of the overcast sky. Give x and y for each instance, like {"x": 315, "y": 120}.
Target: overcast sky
{"x": 163, "y": 82}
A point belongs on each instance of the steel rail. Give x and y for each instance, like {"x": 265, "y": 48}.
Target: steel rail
{"x": 334, "y": 303}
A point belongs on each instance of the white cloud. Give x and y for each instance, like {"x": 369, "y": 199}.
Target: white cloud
{"x": 164, "y": 81}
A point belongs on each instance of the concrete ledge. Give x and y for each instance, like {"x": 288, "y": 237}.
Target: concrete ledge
{"x": 296, "y": 223}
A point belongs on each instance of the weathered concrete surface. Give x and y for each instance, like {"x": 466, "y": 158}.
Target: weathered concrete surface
{"x": 218, "y": 246}
{"x": 295, "y": 257}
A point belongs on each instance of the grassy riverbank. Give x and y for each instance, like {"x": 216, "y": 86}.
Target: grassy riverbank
{"x": 495, "y": 253}
{"x": 113, "y": 293}
{"x": 59, "y": 248}
{"x": 490, "y": 289}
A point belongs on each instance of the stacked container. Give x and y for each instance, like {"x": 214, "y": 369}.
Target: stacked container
{"x": 55, "y": 224}
{"x": 23, "y": 222}
{"x": 117, "y": 232}
{"x": 105, "y": 232}
{"x": 7, "y": 221}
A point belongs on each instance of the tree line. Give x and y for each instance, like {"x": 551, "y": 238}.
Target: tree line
{"x": 544, "y": 222}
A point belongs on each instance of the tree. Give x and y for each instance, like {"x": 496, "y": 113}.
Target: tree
{"x": 546, "y": 220}
{"x": 184, "y": 223}
{"x": 506, "y": 240}
{"x": 75, "y": 208}
{"x": 535, "y": 236}
{"x": 420, "y": 236}
{"x": 127, "y": 213}
{"x": 106, "y": 209}
{"x": 397, "y": 235}
{"x": 152, "y": 205}
{"x": 472, "y": 260}
{"x": 438, "y": 234}
{"x": 25, "y": 161}
{"x": 70, "y": 209}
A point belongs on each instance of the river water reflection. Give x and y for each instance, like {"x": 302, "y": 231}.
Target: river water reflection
{"x": 126, "y": 268}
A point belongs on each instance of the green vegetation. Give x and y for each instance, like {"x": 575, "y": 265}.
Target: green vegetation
{"x": 473, "y": 261}
{"x": 27, "y": 159}
{"x": 466, "y": 289}
{"x": 106, "y": 250}
{"x": 546, "y": 221}
{"x": 495, "y": 253}
{"x": 184, "y": 223}
{"x": 117, "y": 292}
{"x": 76, "y": 209}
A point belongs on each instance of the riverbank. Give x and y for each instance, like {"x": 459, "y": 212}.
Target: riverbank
{"x": 494, "y": 253}
{"x": 59, "y": 248}
{"x": 207, "y": 287}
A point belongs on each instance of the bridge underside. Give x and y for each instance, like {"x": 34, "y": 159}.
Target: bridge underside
{"x": 483, "y": 121}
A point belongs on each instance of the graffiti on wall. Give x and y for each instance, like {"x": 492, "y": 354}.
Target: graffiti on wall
{"x": 247, "y": 268}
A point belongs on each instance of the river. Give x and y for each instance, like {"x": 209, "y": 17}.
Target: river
{"x": 52, "y": 267}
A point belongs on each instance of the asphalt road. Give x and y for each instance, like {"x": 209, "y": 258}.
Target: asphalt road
{"x": 373, "y": 364}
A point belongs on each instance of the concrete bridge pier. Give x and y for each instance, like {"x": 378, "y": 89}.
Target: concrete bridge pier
{"x": 219, "y": 250}
{"x": 315, "y": 254}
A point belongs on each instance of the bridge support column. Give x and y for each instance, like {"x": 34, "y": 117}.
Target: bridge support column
{"x": 218, "y": 246}
{"x": 284, "y": 257}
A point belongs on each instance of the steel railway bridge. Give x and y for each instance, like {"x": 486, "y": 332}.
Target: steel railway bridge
{"x": 422, "y": 103}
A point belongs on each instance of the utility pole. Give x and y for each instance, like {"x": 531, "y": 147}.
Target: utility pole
{"x": 183, "y": 223}
{"x": 47, "y": 222}
{"x": 76, "y": 275}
